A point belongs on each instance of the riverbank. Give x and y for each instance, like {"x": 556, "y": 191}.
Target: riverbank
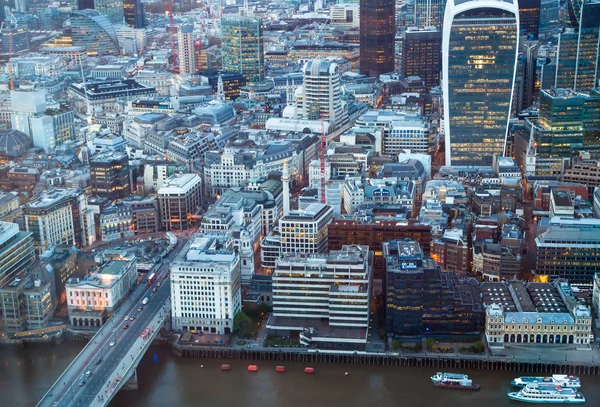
{"x": 455, "y": 362}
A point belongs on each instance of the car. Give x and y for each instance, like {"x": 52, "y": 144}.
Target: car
{"x": 81, "y": 383}
{"x": 132, "y": 318}
{"x": 126, "y": 318}
{"x": 140, "y": 309}
{"x": 99, "y": 361}
{"x": 158, "y": 285}
{"x": 112, "y": 343}
{"x": 126, "y": 326}
{"x": 154, "y": 290}
{"x": 88, "y": 373}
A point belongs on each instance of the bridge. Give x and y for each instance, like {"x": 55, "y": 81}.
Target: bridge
{"x": 108, "y": 362}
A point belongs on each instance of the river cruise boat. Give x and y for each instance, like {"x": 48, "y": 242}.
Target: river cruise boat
{"x": 453, "y": 381}
{"x": 561, "y": 380}
{"x": 547, "y": 394}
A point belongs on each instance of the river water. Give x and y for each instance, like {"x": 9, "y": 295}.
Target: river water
{"x": 166, "y": 380}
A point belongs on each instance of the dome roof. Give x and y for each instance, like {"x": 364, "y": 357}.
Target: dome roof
{"x": 14, "y": 143}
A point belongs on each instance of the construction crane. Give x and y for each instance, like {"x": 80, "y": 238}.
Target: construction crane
{"x": 169, "y": 6}
{"x": 323, "y": 146}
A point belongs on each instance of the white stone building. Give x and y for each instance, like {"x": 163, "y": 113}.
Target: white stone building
{"x": 534, "y": 313}
{"x": 205, "y": 286}
{"x": 91, "y": 297}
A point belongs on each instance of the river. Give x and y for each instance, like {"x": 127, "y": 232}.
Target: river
{"x": 166, "y": 380}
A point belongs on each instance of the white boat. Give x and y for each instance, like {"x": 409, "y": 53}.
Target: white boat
{"x": 547, "y": 394}
{"x": 453, "y": 381}
{"x": 561, "y": 380}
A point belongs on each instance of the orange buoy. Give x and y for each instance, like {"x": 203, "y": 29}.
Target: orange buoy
{"x": 309, "y": 370}
{"x": 225, "y": 368}
{"x": 253, "y": 368}
{"x": 280, "y": 369}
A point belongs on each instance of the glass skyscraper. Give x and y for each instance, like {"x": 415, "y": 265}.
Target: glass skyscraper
{"x": 480, "y": 43}
{"x": 243, "y": 47}
{"x": 579, "y": 47}
{"x": 377, "y": 34}
{"x": 429, "y": 13}
{"x": 92, "y": 30}
{"x": 111, "y": 9}
{"x": 134, "y": 13}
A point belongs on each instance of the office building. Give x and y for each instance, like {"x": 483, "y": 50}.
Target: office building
{"x": 55, "y": 127}
{"x": 14, "y": 40}
{"x": 584, "y": 170}
{"x": 311, "y": 297}
{"x": 179, "y": 200}
{"x": 115, "y": 222}
{"x": 529, "y": 18}
{"x": 206, "y": 286}
{"x": 90, "y": 299}
{"x": 16, "y": 251}
{"x": 243, "y": 47}
{"x": 345, "y": 16}
{"x": 186, "y": 59}
{"x": 422, "y": 55}
{"x": 534, "y": 313}
{"x": 578, "y": 47}
{"x": 134, "y": 13}
{"x": 377, "y": 33}
{"x": 429, "y": 13}
{"x": 480, "y": 49}
{"x": 568, "y": 249}
{"x": 59, "y": 216}
{"x": 111, "y": 9}
{"x": 26, "y": 304}
{"x": 422, "y": 300}
{"x": 411, "y": 133}
{"x": 367, "y": 231}
{"x": 145, "y": 213}
{"x": 94, "y": 32}
{"x": 110, "y": 175}
{"x": 549, "y": 19}
{"x": 305, "y": 231}
{"x": 320, "y": 96}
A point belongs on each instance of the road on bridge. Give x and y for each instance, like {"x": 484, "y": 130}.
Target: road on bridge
{"x": 67, "y": 391}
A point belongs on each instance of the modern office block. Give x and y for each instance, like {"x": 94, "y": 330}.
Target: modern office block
{"x": 377, "y": 33}
{"x": 480, "y": 55}
{"x": 422, "y": 55}
{"x": 134, "y": 13}
{"x": 95, "y": 32}
{"x": 187, "y": 55}
{"x": 243, "y": 47}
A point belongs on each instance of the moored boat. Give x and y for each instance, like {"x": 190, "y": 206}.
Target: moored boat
{"x": 561, "y": 380}
{"x": 547, "y": 394}
{"x": 453, "y": 381}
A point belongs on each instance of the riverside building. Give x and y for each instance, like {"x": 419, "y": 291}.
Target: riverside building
{"x": 534, "y": 313}
{"x": 206, "y": 286}
{"x": 324, "y": 298}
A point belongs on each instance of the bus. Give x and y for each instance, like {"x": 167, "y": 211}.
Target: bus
{"x": 151, "y": 278}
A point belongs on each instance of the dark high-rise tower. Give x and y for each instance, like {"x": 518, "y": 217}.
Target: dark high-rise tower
{"x": 134, "y": 13}
{"x": 422, "y": 55}
{"x": 377, "y": 29}
{"x": 529, "y": 17}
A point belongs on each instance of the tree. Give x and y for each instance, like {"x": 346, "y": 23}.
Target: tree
{"x": 396, "y": 344}
{"x": 429, "y": 343}
{"x": 479, "y": 347}
{"x": 242, "y": 324}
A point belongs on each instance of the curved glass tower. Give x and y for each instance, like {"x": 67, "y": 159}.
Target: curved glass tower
{"x": 92, "y": 30}
{"x": 479, "y": 49}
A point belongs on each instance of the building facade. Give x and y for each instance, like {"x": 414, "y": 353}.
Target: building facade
{"x": 206, "y": 286}
{"x": 95, "y": 32}
{"x": 110, "y": 175}
{"x": 16, "y": 251}
{"x": 243, "y": 47}
{"x": 179, "y": 199}
{"x": 186, "y": 45}
{"x": 377, "y": 33}
{"x": 422, "y": 54}
{"x": 534, "y": 313}
{"x": 324, "y": 299}
{"x": 480, "y": 44}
